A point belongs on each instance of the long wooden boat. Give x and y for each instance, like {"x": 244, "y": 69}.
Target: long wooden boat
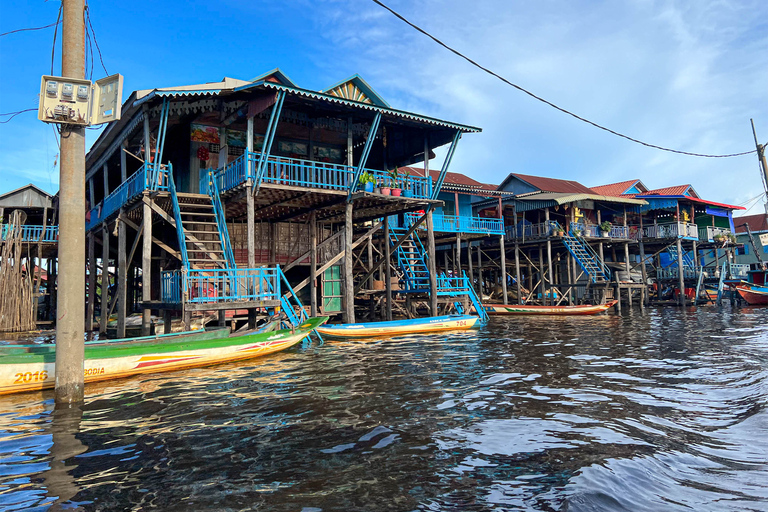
{"x": 33, "y": 367}
{"x": 524, "y": 309}
{"x": 754, "y": 295}
{"x": 397, "y": 327}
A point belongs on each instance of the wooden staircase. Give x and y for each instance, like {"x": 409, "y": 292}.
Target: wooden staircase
{"x": 202, "y": 237}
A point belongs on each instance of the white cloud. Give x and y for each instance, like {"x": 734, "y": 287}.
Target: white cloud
{"x": 681, "y": 75}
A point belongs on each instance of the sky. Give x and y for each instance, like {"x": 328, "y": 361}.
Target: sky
{"x": 679, "y": 74}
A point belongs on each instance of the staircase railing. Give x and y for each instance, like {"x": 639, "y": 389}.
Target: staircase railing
{"x": 285, "y": 300}
{"x": 455, "y": 286}
{"x": 404, "y": 259}
{"x": 221, "y": 221}
{"x": 687, "y": 260}
{"x": 177, "y": 217}
{"x": 601, "y": 267}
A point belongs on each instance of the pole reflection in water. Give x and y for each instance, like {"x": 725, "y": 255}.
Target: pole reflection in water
{"x": 58, "y": 480}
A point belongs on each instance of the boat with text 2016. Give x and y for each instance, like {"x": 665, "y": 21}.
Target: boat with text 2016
{"x": 524, "y": 309}
{"x": 33, "y": 367}
{"x": 397, "y": 327}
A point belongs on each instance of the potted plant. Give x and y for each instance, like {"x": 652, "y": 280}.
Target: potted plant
{"x": 366, "y": 181}
{"x": 384, "y": 186}
{"x": 605, "y": 228}
{"x": 395, "y": 175}
{"x": 719, "y": 238}
{"x": 731, "y": 238}
{"x": 407, "y": 184}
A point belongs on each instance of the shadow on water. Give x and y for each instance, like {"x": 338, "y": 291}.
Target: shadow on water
{"x": 662, "y": 410}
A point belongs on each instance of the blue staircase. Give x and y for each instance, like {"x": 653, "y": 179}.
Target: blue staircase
{"x": 687, "y": 259}
{"x": 459, "y": 287}
{"x": 588, "y": 260}
{"x": 411, "y": 259}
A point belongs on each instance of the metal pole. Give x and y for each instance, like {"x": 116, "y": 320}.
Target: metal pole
{"x": 71, "y": 305}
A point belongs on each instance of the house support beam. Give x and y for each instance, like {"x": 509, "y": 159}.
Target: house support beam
{"x": 681, "y": 280}
{"x": 349, "y": 283}
{"x": 387, "y": 269}
{"x": 104, "y": 279}
{"x": 313, "y": 264}
{"x": 122, "y": 275}
{"x": 431, "y": 264}
{"x": 146, "y": 267}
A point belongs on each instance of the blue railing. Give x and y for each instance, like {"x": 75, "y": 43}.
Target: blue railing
{"x": 221, "y": 221}
{"x": 31, "y": 233}
{"x": 148, "y": 177}
{"x": 588, "y": 230}
{"x": 182, "y": 238}
{"x": 220, "y": 285}
{"x": 170, "y": 286}
{"x": 525, "y": 230}
{"x": 458, "y": 286}
{"x": 312, "y": 174}
{"x": 460, "y": 224}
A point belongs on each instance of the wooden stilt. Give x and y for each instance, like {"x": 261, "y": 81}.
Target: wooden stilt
{"x": 681, "y": 281}
{"x": 91, "y": 283}
{"x": 104, "y": 279}
{"x": 387, "y": 270}
{"x": 432, "y": 264}
{"x": 167, "y": 321}
{"x": 349, "y": 284}
{"x": 470, "y": 265}
{"x": 313, "y": 264}
{"x": 479, "y": 271}
{"x": 542, "y": 276}
{"x": 146, "y": 268}
{"x": 457, "y": 259}
{"x": 122, "y": 274}
{"x": 503, "y": 248}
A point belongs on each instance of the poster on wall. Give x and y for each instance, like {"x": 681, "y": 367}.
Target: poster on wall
{"x": 764, "y": 240}
{"x": 203, "y": 133}
{"x": 236, "y": 138}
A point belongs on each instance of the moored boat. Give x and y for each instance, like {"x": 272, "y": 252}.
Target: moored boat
{"x": 525, "y": 309}
{"x": 397, "y": 327}
{"x": 754, "y": 295}
{"x": 33, "y": 367}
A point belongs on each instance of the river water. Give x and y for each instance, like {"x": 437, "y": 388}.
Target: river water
{"x": 664, "y": 410}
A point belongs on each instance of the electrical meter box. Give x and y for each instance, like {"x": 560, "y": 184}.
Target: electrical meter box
{"x": 80, "y": 102}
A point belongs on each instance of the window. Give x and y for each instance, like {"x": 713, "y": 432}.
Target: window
{"x": 742, "y": 251}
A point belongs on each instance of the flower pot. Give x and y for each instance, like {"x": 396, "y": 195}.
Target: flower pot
{"x": 385, "y": 191}
{"x": 407, "y": 193}
{"x": 377, "y": 190}
{"x": 605, "y": 234}
{"x": 379, "y": 285}
{"x": 396, "y": 191}
{"x": 368, "y": 187}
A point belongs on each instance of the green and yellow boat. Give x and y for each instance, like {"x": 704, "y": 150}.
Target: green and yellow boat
{"x": 33, "y": 367}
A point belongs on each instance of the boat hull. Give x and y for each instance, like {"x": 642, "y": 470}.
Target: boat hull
{"x": 755, "y": 296}
{"x": 398, "y": 327}
{"x": 514, "y": 309}
{"x": 32, "y": 368}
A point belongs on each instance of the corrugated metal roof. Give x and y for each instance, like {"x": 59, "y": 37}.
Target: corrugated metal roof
{"x": 356, "y": 104}
{"x": 562, "y": 198}
{"x": 757, "y": 223}
{"x": 615, "y": 189}
{"x": 551, "y": 184}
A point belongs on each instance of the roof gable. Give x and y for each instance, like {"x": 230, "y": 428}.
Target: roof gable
{"x": 757, "y": 223}
{"x": 356, "y": 89}
{"x": 677, "y": 190}
{"x": 628, "y": 187}
{"x": 28, "y": 196}
{"x": 275, "y": 76}
{"x": 540, "y": 184}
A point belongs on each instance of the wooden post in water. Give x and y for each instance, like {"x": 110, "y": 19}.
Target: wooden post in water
{"x": 681, "y": 276}
{"x": 122, "y": 274}
{"x": 387, "y": 269}
{"x": 349, "y": 284}
{"x": 313, "y": 264}
{"x": 479, "y": 271}
{"x": 457, "y": 261}
{"x": 470, "y": 265}
{"x": 518, "y": 284}
{"x": 549, "y": 254}
{"x": 104, "y": 279}
{"x": 432, "y": 264}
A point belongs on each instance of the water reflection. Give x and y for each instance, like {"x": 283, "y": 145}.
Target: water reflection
{"x": 662, "y": 410}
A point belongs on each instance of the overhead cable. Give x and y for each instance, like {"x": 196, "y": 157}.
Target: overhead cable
{"x": 529, "y": 93}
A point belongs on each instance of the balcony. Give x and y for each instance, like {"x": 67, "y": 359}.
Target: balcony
{"x": 310, "y": 174}
{"x": 539, "y": 230}
{"x": 588, "y": 230}
{"x": 148, "y": 177}
{"x": 31, "y": 233}
{"x": 209, "y": 286}
{"x": 460, "y": 224}
{"x": 708, "y": 233}
{"x": 683, "y": 230}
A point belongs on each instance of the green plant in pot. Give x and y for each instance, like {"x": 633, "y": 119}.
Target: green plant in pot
{"x": 395, "y": 175}
{"x": 605, "y": 228}
{"x": 366, "y": 181}
{"x": 407, "y": 192}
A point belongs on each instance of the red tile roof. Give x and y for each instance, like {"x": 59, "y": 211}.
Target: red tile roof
{"x": 756, "y": 223}
{"x": 678, "y": 190}
{"x": 451, "y": 178}
{"x": 614, "y": 189}
{"x": 554, "y": 184}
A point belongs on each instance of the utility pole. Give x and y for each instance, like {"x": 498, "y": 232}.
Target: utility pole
{"x": 763, "y": 164}
{"x": 71, "y": 278}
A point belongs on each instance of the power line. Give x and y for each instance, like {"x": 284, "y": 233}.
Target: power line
{"x": 529, "y": 93}
{"x": 26, "y": 29}
{"x": 55, "y": 31}
{"x": 93, "y": 33}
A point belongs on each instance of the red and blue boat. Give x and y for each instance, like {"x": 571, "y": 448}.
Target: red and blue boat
{"x": 398, "y": 327}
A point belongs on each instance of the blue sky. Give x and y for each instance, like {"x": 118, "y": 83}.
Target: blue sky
{"x": 686, "y": 75}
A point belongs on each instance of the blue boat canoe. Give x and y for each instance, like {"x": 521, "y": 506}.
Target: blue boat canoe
{"x": 396, "y": 327}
